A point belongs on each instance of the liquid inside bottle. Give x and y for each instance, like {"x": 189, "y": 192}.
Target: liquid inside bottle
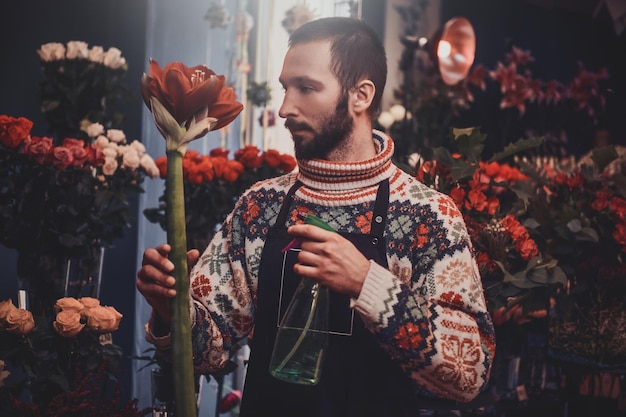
{"x": 302, "y": 336}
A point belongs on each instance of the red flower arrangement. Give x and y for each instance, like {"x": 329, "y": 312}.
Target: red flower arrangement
{"x": 580, "y": 217}
{"x": 213, "y": 183}
{"x": 64, "y": 198}
{"x": 489, "y": 196}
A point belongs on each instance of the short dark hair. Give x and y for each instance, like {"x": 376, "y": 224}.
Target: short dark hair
{"x": 356, "y": 52}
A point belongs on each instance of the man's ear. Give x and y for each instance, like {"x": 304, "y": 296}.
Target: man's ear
{"x": 362, "y": 96}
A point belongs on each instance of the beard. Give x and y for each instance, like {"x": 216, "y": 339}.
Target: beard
{"x": 334, "y": 131}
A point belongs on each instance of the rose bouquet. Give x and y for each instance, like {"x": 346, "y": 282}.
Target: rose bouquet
{"x": 213, "y": 183}
{"x": 81, "y": 83}
{"x": 60, "y": 364}
{"x": 62, "y": 200}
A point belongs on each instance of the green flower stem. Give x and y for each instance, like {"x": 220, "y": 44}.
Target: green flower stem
{"x": 182, "y": 359}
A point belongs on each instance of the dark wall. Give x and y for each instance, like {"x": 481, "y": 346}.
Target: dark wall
{"x": 558, "y": 38}
{"x": 24, "y": 26}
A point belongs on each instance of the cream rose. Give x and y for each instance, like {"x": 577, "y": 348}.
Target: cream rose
{"x": 110, "y": 166}
{"x": 96, "y": 54}
{"x": 94, "y": 130}
{"x": 149, "y": 165}
{"x": 19, "y": 321}
{"x": 116, "y": 135}
{"x": 77, "y": 50}
{"x": 68, "y": 304}
{"x": 102, "y": 141}
{"x": 67, "y": 323}
{"x": 138, "y": 146}
{"x": 103, "y": 319}
{"x": 5, "y": 308}
{"x": 52, "y": 51}
{"x": 113, "y": 58}
{"x": 130, "y": 158}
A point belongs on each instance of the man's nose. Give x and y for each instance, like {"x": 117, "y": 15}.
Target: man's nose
{"x": 287, "y": 108}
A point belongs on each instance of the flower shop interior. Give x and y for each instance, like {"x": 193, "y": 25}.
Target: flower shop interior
{"x": 528, "y": 141}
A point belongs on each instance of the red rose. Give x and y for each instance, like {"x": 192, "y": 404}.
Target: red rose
{"x": 14, "y": 131}
{"x": 287, "y": 163}
{"x": 232, "y": 169}
{"x": 161, "y": 163}
{"x": 272, "y": 158}
{"x": 248, "y": 156}
{"x": 219, "y": 152}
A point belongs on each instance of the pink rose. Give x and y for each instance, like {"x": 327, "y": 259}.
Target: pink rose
{"x": 39, "y": 148}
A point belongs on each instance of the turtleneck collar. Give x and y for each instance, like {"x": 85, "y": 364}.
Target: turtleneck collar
{"x": 343, "y": 176}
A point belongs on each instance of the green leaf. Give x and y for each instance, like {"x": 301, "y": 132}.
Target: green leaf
{"x": 603, "y": 156}
{"x": 470, "y": 145}
{"x": 517, "y": 147}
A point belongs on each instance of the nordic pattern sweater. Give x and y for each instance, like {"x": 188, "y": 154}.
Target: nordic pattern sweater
{"x": 427, "y": 310}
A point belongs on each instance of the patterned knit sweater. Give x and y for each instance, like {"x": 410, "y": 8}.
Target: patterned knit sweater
{"x": 427, "y": 310}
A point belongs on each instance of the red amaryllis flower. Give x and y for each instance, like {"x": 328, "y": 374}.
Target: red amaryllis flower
{"x": 193, "y": 97}
{"x": 184, "y": 91}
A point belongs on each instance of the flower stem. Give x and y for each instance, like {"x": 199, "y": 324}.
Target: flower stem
{"x": 182, "y": 362}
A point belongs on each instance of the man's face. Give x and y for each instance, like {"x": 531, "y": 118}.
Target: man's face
{"x": 316, "y": 113}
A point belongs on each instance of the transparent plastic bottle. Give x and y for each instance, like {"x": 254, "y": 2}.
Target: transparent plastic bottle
{"x": 302, "y": 336}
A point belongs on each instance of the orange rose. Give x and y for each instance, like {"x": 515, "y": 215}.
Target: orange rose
{"x": 103, "y": 319}
{"x": 67, "y": 323}
{"x": 5, "y": 308}
{"x": 68, "y": 304}
{"x": 19, "y": 321}
{"x": 89, "y": 302}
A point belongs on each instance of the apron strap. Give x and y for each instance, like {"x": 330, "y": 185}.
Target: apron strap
{"x": 284, "y": 209}
{"x": 380, "y": 209}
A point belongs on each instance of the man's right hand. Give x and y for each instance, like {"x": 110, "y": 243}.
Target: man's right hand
{"x": 154, "y": 279}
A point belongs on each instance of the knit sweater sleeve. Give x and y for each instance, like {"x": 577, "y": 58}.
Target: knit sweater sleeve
{"x": 223, "y": 284}
{"x": 433, "y": 320}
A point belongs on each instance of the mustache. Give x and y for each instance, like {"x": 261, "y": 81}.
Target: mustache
{"x": 293, "y": 125}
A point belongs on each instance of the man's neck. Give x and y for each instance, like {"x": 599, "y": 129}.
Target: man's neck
{"x": 359, "y": 147}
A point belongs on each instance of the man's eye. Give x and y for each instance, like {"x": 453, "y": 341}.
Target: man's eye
{"x": 306, "y": 89}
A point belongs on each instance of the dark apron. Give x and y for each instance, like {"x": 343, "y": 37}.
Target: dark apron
{"x": 358, "y": 379}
